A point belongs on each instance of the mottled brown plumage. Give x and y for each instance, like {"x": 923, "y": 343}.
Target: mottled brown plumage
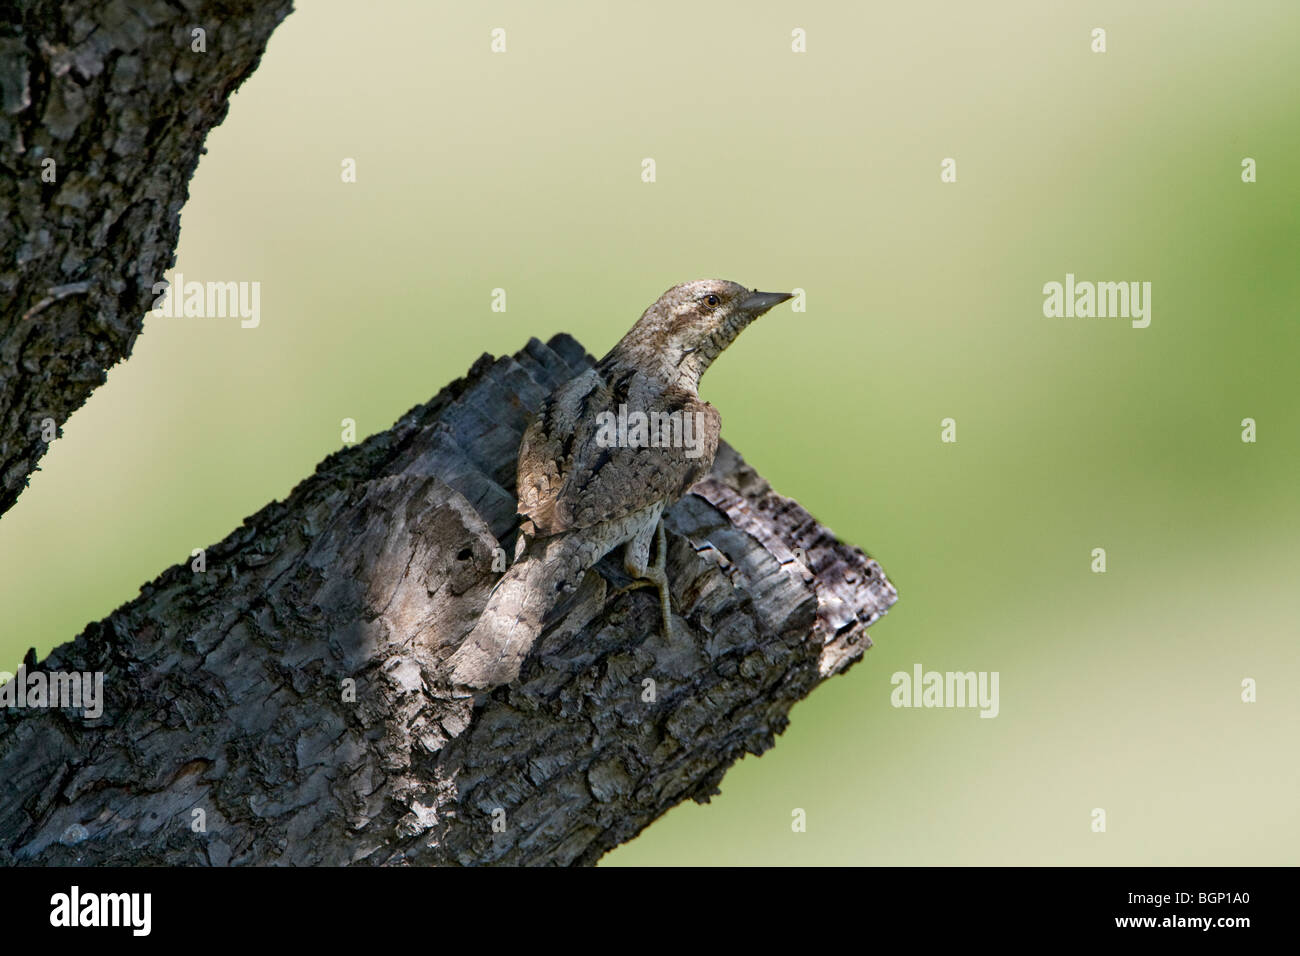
{"x": 582, "y": 494}
{"x": 566, "y": 481}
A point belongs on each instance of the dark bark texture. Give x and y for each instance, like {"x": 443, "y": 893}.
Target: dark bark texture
{"x": 294, "y": 691}
{"x": 114, "y": 94}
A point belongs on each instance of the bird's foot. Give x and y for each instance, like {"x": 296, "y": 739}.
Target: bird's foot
{"x": 656, "y": 576}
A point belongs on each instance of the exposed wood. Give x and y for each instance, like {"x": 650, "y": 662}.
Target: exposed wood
{"x": 226, "y": 691}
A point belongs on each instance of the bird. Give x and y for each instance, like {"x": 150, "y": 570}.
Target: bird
{"x": 606, "y": 453}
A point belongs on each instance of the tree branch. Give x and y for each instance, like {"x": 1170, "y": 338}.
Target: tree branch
{"x": 229, "y": 691}
{"x": 104, "y": 107}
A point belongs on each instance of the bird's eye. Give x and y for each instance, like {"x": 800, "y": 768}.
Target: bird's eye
{"x": 712, "y": 300}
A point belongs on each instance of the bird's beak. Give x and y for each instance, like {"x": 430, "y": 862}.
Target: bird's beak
{"x": 756, "y": 303}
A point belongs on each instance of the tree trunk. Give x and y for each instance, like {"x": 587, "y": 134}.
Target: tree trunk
{"x": 288, "y": 703}
{"x": 104, "y": 107}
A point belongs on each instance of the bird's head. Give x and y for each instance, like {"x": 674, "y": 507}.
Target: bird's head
{"x": 691, "y": 324}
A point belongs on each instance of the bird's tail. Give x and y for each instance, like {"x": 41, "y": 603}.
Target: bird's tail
{"x": 517, "y": 610}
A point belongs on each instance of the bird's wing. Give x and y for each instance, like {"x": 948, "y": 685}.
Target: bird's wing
{"x": 567, "y": 479}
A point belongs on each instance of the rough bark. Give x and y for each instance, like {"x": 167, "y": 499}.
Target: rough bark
{"x": 226, "y": 691}
{"x": 114, "y": 94}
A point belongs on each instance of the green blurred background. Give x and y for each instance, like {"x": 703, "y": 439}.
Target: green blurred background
{"x": 821, "y": 171}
